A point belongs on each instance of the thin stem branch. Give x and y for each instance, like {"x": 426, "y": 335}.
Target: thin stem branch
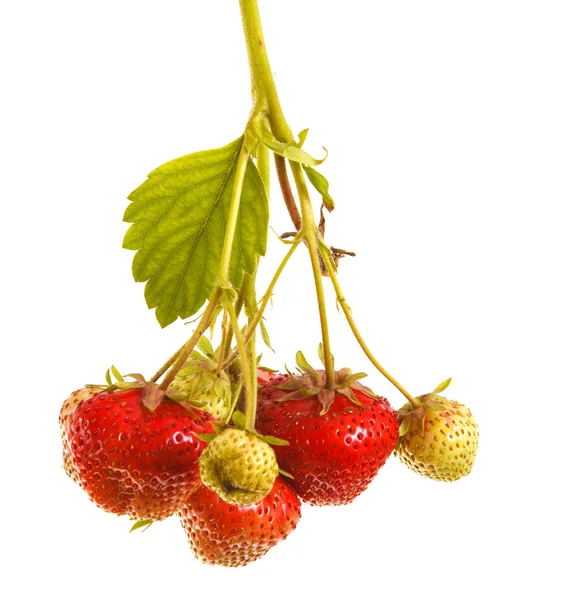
{"x": 232, "y": 217}
{"x": 250, "y": 401}
{"x": 166, "y": 366}
{"x": 265, "y": 299}
{"x": 192, "y": 342}
{"x": 287, "y": 193}
{"x": 348, "y": 315}
{"x": 311, "y": 232}
{"x": 263, "y": 164}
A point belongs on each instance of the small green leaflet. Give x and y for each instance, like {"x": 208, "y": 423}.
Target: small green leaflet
{"x": 321, "y": 184}
{"x": 178, "y": 218}
{"x": 288, "y": 150}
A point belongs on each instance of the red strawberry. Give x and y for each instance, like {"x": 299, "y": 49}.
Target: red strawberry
{"x": 264, "y": 376}
{"x": 132, "y": 459}
{"x": 338, "y": 439}
{"x": 68, "y": 407}
{"x": 233, "y": 536}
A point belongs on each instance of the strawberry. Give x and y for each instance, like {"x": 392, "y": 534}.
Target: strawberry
{"x": 338, "y": 439}
{"x": 233, "y": 536}
{"x": 68, "y": 406}
{"x": 239, "y": 466}
{"x": 439, "y": 438}
{"x": 136, "y": 451}
{"x": 263, "y": 376}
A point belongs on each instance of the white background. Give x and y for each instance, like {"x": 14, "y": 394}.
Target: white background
{"x": 446, "y": 125}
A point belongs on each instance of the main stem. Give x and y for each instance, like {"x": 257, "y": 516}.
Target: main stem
{"x": 264, "y": 93}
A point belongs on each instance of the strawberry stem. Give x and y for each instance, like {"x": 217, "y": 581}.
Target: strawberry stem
{"x": 187, "y": 348}
{"x": 287, "y": 193}
{"x": 348, "y": 315}
{"x": 264, "y": 93}
{"x": 246, "y": 371}
{"x": 265, "y": 299}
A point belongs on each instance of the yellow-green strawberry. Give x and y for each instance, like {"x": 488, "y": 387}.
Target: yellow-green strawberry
{"x": 439, "y": 438}
{"x": 201, "y": 383}
{"x": 239, "y": 466}
{"x": 68, "y": 407}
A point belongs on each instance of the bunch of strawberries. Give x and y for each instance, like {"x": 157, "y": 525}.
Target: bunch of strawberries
{"x": 136, "y": 451}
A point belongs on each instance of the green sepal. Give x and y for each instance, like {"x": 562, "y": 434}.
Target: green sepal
{"x": 129, "y": 385}
{"x": 214, "y": 318}
{"x": 143, "y": 523}
{"x": 302, "y": 136}
{"x": 350, "y": 395}
{"x": 273, "y": 441}
{"x": 321, "y": 354}
{"x": 265, "y": 335}
{"x": 442, "y": 386}
{"x": 219, "y": 426}
{"x": 206, "y": 347}
{"x": 404, "y": 425}
{"x": 303, "y": 365}
{"x": 320, "y": 183}
{"x": 116, "y": 373}
{"x": 205, "y": 437}
{"x": 108, "y": 377}
{"x": 285, "y": 474}
{"x": 175, "y": 395}
{"x": 189, "y": 370}
{"x": 239, "y": 419}
{"x": 289, "y": 150}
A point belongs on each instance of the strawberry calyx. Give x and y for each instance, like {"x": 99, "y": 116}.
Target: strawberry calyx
{"x": 239, "y": 422}
{"x": 409, "y": 415}
{"x": 313, "y": 382}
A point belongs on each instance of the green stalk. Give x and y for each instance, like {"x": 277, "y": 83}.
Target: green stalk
{"x": 264, "y": 92}
{"x": 248, "y": 384}
{"x": 265, "y": 299}
{"x": 192, "y": 342}
{"x": 232, "y": 218}
{"x": 263, "y": 165}
{"x": 348, "y": 315}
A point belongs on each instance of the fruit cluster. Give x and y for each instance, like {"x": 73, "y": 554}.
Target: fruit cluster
{"x": 238, "y": 492}
{"x": 231, "y": 448}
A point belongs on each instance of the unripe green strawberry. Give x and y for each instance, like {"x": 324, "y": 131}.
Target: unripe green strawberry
{"x": 439, "y": 439}
{"x": 204, "y": 387}
{"x": 204, "y": 393}
{"x": 239, "y": 466}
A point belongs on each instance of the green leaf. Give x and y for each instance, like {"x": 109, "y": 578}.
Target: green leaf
{"x": 145, "y": 523}
{"x": 178, "y": 227}
{"x": 206, "y": 347}
{"x": 288, "y": 150}
{"x": 108, "y": 377}
{"x": 442, "y": 386}
{"x": 321, "y": 184}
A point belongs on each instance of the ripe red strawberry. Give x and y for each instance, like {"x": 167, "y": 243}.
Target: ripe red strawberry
{"x": 132, "y": 459}
{"x": 264, "y": 376}
{"x": 233, "y": 536}
{"x": 68, "y": 407}
{"x": 338, "y": 439}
